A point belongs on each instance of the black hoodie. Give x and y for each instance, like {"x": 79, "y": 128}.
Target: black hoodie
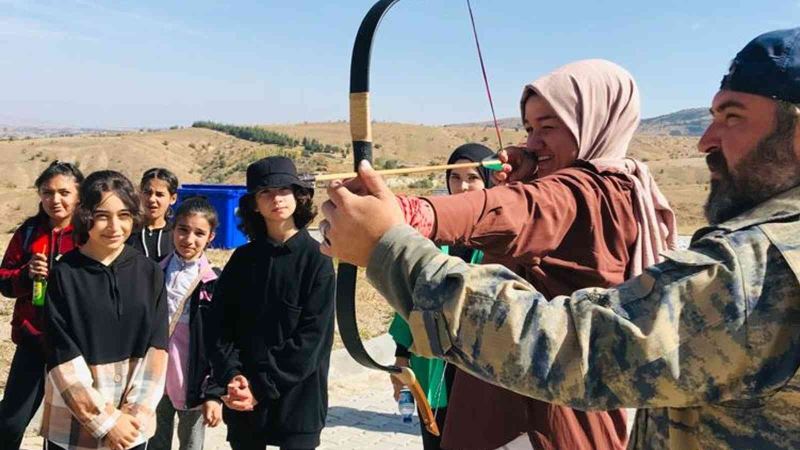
{"x": 107, "y": 332}
{"x": 155, "y": 243}
{"x": 106, "y": 313}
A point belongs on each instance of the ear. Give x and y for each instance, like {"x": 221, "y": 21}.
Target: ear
{"x": 211, "y": 237}
{"x": 173, "y": 199}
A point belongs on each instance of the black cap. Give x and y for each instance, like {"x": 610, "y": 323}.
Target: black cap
{"x": 768, "y": 66}
{"x": 273, "y": 172}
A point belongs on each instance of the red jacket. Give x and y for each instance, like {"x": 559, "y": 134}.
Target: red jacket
{"x": 28, "y": 320}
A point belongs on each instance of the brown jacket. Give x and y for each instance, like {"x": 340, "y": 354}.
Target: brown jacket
{"x": 564, "y": 232}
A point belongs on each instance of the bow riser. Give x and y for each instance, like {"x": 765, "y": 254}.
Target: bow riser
{"x": 361, "y": 131}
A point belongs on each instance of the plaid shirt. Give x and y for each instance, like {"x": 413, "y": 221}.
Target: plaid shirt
{"x": 82, "y": 403}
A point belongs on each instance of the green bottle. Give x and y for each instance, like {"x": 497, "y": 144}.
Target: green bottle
{"x": 39, "y": 290}
{"x": 39, "y": 283}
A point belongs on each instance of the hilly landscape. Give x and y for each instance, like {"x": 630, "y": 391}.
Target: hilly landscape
{"x": 686, "y": 122}
{"x": 200, "y": 155}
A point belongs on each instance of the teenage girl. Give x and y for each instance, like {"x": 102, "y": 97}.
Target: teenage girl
{"x": 273, "y": 310}
{"x": 190, "y": 281}
{"x": 158, "y": 191}
{"x": 35, "y": 246}
{"x": 106, "y": 328}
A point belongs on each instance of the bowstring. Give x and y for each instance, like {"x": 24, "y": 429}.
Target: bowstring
{"x": 438, "y": 394}
{"x": 485, "y": 78}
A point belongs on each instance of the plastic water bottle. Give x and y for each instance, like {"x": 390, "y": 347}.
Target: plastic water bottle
{"x": 405, "y": 403}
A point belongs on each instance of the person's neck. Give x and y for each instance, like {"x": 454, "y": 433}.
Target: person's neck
{"x": 59, "y": 224}
{"x": 281, "y": 231}
{"x": 156, "y": 223}
{"x": 101, "y": 254}
{"x": 196, "y": 258}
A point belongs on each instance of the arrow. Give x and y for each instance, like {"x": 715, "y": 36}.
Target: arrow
{"x": 491, "y": 164}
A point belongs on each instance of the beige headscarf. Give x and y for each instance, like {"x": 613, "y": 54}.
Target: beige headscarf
{"x": 598, "y": 101}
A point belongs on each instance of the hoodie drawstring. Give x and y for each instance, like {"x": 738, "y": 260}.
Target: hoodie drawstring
{"x": 144, "y": 245}
{"x": 158, "y": 243}
{"x": 112, "y": 278}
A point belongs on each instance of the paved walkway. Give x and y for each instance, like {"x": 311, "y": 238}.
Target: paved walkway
{"x": 362, "y": 415}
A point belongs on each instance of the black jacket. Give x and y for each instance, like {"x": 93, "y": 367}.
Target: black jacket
{"x": 273, "y": 321}
{"x": 200, "y": 386}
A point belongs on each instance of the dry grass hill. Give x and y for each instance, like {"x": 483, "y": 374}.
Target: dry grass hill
{"x": 200, "y": 155}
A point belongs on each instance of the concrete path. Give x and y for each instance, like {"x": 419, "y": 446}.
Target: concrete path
{"x": 362, "y": 413}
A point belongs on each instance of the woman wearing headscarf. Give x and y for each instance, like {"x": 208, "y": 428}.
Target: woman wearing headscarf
{"x": 581, "y": 214}
{"x": 436, "y": 376}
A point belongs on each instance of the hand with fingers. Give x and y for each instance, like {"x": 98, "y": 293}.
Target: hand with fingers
{"x": 212, "y": 413}
{"x": 124, "y": 432}
{"x": 240, "y": 397}
{"x": 519, "y": 164}
{"x": 357, "y": 215}
{"x": 398, "y": 385}
{"x": 37, "y": 266}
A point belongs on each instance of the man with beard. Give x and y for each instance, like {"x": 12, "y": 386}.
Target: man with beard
{"x": 708, "y": 342}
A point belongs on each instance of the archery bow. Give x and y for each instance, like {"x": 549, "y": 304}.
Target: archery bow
{"x": 361, "y": 131}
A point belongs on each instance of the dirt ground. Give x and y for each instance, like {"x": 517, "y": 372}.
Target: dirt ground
{"x": 6, "y": 308}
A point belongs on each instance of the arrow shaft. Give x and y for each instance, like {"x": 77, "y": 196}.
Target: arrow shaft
{"x": 402, "y": 171}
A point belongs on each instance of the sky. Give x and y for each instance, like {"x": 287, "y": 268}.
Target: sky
{"x": 148, "y": 63}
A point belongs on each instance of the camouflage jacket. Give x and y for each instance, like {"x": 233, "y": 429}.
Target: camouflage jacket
{"x": 707, "y": 341}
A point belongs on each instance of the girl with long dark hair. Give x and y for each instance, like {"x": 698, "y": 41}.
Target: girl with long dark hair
{"x": 38, "y": 242}
{"x": 159, "y": 191}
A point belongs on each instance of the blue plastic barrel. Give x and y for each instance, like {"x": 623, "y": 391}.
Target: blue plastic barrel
{"x": 225, "y": 199}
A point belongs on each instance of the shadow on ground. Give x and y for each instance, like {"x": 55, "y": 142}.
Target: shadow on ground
{"x": 341, "y": 416}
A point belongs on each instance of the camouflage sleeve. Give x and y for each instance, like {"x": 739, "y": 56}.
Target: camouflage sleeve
{"x": 678, "y": 335}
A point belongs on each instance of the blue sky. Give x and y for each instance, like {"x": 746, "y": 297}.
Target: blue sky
{"x": 160, "y": 63}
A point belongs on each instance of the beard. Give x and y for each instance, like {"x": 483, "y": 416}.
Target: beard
{"x": 771, "y": 167}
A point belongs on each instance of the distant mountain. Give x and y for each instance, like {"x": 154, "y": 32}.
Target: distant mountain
{"x": 13, "y": 127}
{"x": 508, "y": 122}
{"x": 686, "y": 122}
{"x": 33, "y": 132}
